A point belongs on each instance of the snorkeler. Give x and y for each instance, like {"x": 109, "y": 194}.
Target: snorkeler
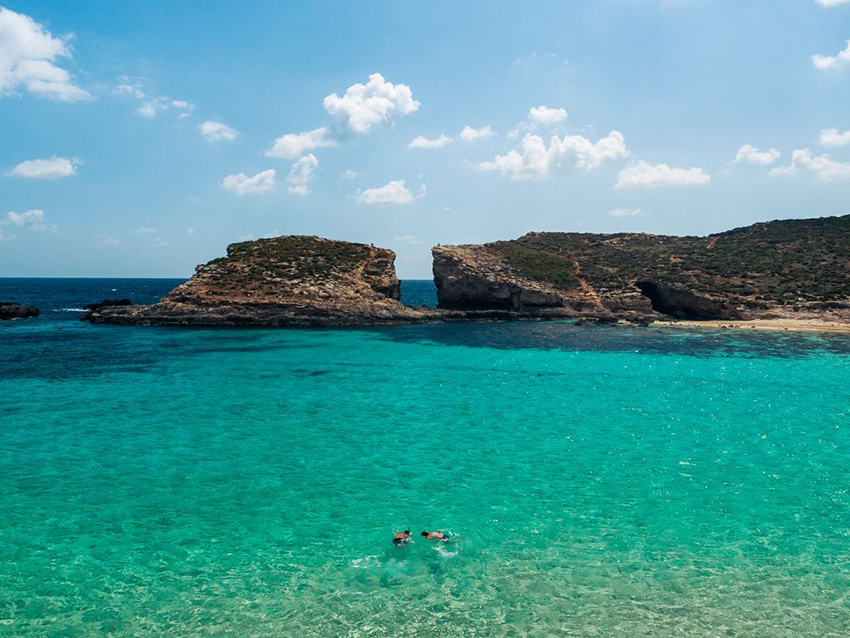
{"x": 402, "y": 538}
{"x": 443, "y": 537}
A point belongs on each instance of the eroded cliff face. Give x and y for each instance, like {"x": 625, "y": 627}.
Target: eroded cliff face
{"x": 790, "y": 268}
{"x": 282, "y": 281}
{"x": 475, "y": 278}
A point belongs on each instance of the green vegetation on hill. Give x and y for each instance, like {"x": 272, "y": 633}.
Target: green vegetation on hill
{"x": 766, "y": 262}
{"x": 291, "y": 258}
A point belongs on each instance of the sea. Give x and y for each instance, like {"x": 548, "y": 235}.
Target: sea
{"x": 604, "y": 482}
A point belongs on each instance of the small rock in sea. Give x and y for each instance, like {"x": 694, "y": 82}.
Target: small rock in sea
{"x": 10, "y": 310}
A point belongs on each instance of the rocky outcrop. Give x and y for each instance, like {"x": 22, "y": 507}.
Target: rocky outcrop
{"x": 107, "y": 302}
{"x": 790, "y": 268}
{"x": 283, "y": 281}
{"x": 681, "y": 303}
{"x": 474, "y": 278}
{"x": 10, "y": 310}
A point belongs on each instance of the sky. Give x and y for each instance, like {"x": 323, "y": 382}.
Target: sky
{"x": 138, "y": 139}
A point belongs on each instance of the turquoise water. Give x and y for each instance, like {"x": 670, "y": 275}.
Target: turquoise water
{"x": 603, "y": 482}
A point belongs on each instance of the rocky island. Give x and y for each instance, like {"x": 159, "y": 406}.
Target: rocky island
{"x": 791, "y": 269}
{"x": 283, "y": 281}
{"x": 782, "y": 269}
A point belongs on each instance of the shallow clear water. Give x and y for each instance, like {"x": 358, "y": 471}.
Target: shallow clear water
{"x": 603, "y": 482}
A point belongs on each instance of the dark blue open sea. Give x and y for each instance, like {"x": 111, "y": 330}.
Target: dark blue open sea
{"x": 600, "y": 481}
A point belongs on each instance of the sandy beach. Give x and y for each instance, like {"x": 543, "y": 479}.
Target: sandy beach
{"x": 797, "y": 325}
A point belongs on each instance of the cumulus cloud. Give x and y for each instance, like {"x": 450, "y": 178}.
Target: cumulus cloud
{"x": 28, "y": 55}
{"x": 396, "y": 192}
{"x": 53, "y": 168}
{"x": 534, "y": 159}
{"x": 421, "y": 141}
{"x": 30, "y": 219}
{"x": 625, "y": 212}
{"x": 832, "y": 137}
{"x": 348, "y": 174}
{"x": 751, "y": 155}
{"x": 241, "y": 184}
{"x": 293, "y": 145}
{"x": 544, "y": 116}
{"x": 469, "y": 134}
{"x": 300, "y": 175}
{"x": 376, "y": 102}
{"x": 830, "y": 62}
{"x": 823, "y": 166}
{"x": 647, "y": 175}
{"x": 217, "y": 131}
{"x": 832, "y": 3}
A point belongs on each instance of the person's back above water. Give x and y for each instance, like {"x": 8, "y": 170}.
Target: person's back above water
{"x": 402, "y": 538}
{"x": 437, "y": 536}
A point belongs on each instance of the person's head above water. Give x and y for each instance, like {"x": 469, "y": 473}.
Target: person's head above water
{"x": 425, "y": 533}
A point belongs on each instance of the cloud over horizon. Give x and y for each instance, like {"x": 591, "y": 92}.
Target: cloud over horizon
{"x": 643, "y": 174}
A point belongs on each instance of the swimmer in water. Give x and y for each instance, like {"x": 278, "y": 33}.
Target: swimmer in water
{"x": 437, "y": 536}
{"x": 402, "y": 538}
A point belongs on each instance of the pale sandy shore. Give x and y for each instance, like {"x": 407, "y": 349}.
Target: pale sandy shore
{"x": 798, "y": 325}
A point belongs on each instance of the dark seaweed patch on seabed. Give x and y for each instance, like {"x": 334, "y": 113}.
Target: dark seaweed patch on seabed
{"x": 695, "y": 342}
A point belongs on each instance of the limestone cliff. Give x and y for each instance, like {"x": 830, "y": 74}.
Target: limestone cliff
{"x": 283, "y": 281}
{"x": 790, "y": 268}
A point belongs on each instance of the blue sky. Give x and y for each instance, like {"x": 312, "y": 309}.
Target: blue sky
{"x": 139, "y": 139}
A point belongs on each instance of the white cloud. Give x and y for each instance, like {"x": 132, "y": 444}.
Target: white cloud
{"x": 827, "y": 62}
{"x": 216, "y": 131}
{"x": 150, "y": 107}
{"x": 409, "y": 239}
{"x": 544, "y": 116}
{"x": 53, "y": 168}
{"x": 751, "y": 155}
{"x": 647, "y": 175}
{"x": 826, "y": 168}
{"x": 423, "y": 142}
{"x": 299, "y": 177}
{"x": 142, "y": 230}
{"x": 107, "y": 242}
{"x": 28, "y": 53}
{"x": 534, "y": 159}
{"x": 293, "y": 145}
{"x": 468, "y": 134}
{"x": 832, "y": 3}
{"x": 131, "y": 90}
{"x": 190, "y": 231}
{"x": 30, "y": 219}
{"x": 241, "y": 184}
{"x": 832, "y": 137}
{"x": 393, "y": 193}
{"x": 348, "y": 174}
{"x": 375, "y": 102}
{"x": 625, "y": 212}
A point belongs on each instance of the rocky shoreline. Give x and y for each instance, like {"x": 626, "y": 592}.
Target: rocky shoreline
{"x": 787, "y": 270}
